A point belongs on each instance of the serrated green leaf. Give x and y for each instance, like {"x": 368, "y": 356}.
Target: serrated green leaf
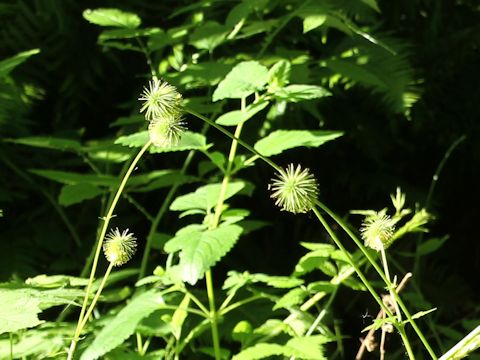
{"x": 76, "y": 193}
{"x": 55, "y": 281}
{"x": 200, "y": 249}
{"x": 260, "y": 351}
{"x": 296, "y": 93}
{"x": 233, "y": 118}
{"x": 281, "y": 140}
{"x": 112, "y": 17}
{"x": 7, "y": 65}
{"x": 243, "y": 80}
{"x": 308, "y": 347}
{"x": 19, "y": 310}
{"x": 206, "y": 197}
{"x": 21, "y": 305}
{"x": 188, "y": 141}
{"x": 291, "y": 298}
{"x": 123, "y": 324}
{"x": 282, "y": 282}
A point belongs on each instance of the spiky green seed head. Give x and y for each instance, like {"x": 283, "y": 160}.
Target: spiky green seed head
{"x": 377, "y": 231}
{"x": 167, "y": 131}
{"x": 160, "y": 99}
{"x": 119, "y": 247}
{"x": 294, "y": 189}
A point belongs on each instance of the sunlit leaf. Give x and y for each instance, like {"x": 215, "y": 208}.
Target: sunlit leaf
{"x": 11, "y": 63}
{"x": 117, "y": 330}
{"x": 76, "y": 193}
{"x": 281, "y": 140}
{"x": 112, "y": 17}
{"x": 244, "y": 79}
{"x": 201, "y": 248}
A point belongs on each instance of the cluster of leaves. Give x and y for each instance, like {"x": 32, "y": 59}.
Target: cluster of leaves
{"x": 252, "y": 55}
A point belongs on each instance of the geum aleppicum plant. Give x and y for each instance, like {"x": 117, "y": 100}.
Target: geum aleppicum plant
{"x": 163, "y": 109}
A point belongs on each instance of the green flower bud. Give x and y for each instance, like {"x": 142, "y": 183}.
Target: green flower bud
{"x": 294, "y": 190}
{"x": 119, "y": 247}
{"x": 377, "y": 231}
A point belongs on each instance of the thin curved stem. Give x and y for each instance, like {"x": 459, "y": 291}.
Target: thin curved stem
{"x": 377, "y": 268}
{"x": 106, "y": 221}
{"x": 233, "y": 137}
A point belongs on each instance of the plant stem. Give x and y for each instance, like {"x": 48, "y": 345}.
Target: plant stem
{"x": 80, "y": 327}
{"x": 352, "y": 263}
{"x": 390, "y": 289}
{"x": 382, "y": 275}
{"x": 233, "y": 137}
{"x": 161, "y": 212}
{"x": 416, "y": 261}
{"x": 103, "y": 232}
{"x": 406, "y": 342}
{"x": 213, "y": 225}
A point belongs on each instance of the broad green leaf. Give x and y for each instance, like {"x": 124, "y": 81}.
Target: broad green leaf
{"x": 296, "y": 93}
{"x": 189, "y": 141}
{"x": 200, "y": 249}
{"x": 19, "y": 310}
{"x": 123, "y": 324}
{"x": 281, "y": 140}
{"x": 431, "y": 245}
{"x": 209, "y": 35}
{"x": 55, "y": 281}
{"x": 11, "y": 63}
{"x": 71, "y": 178}
{"x": 235, "y": 117}
{"x": 49, "y": 143}
{"x": 291, "y": 298}
{"x": 21, "y": 306}
{"x": 236, "y": 280}
{"x": 206, "y": 197}
{"x": 279, "y": 75}
{"x": 282, "y": 282}
{"x": 200, "y": 75}
{"x": 313, "y": 21}
{"x": 242, "y": 331}
{"x": 308, "y": 347}
{"x": 37, "y": 344}
{"x": 260, "y": 351}
{"x": 76, "y": 193}
{"x": 244, "y": 79}
{"x": 112, "y": 17}
{"x": 179, "y": 317}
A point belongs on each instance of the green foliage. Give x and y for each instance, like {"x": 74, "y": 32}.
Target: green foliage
{"x": 123, "y": 324}
{"x": 286, "y": 78}
{"x": 200, "y": 249}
